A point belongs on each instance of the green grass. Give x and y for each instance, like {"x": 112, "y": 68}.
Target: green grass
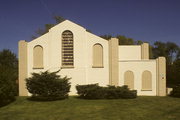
{"x": 141, "y": 108}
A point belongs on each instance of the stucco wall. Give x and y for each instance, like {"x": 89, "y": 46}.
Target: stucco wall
{"x": 82, "y": 73}
{"x": 129, "y": 52}
{"x": 137, "y": 67}
{"x": 97, "y": 75}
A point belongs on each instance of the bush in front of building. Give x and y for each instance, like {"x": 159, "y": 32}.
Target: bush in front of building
{"x": 90, "y": 91}
{"x": 123, "y": 92}
{"x": 176, "y": 91}
{"x": 94, "y": 91}
{"x": 46, "y": 86}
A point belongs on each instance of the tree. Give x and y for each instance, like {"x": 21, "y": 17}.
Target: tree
{"x": 138, "y": 42}
{"x": 159, "y": 49}
{"x": 8, "y": 77}
{"x": 42, "y": 31}
{"x": 178, "y": 54}
{"x": 173, "y": 73}
{"x": 171, "y": 52}
{"x": 7, "y": 58}
{"x": 123, "y": 40}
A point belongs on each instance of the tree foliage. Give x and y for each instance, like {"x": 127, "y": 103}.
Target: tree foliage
{"x": 124, "y": 40}
{"x": 173, "y": 73}
{"x": 8, "y": 59}
{"x": 176, "y": 91}
{"x": 8, "y": 77}
{"x": 169, "y": 50}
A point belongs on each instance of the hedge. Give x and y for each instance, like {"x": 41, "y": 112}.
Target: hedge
{"x": 94, "y": 91}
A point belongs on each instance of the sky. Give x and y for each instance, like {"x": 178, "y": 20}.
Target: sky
{"x": 146, "y": 20}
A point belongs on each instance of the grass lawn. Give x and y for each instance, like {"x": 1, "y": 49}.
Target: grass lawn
{"x": 141, "y": 108}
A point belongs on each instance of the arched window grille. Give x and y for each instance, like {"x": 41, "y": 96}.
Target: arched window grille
{"x": 67, "y": 49}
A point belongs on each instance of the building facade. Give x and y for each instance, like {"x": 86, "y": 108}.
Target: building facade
{"x": 88, "y": 59}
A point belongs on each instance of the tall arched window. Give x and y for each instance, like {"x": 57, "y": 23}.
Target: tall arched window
{"x": 146, "y": 80}
{"x": 129, "y": 79}
{"x": 97, "y": 55}
{"x": 38, "y": 57}
{"x": 67, "y": 49}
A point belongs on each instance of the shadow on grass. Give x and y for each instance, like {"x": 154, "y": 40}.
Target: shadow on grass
{"x": 84, "y": 98}
{"x": 44, "y": 99}
{"x": 5, "y": 103}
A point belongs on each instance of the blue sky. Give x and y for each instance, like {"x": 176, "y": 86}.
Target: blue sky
{"x": 147, "y": 20}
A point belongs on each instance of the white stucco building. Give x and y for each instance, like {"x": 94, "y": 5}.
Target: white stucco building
{"x": 88, "y": 58}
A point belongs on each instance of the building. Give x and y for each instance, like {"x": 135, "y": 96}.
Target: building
{"x": 87, "y": 59}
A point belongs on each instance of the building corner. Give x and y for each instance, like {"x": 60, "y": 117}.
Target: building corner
{"x": 161, "y": 76}
{"x": 22, "y": 56}
{"x": 113, "y": 62}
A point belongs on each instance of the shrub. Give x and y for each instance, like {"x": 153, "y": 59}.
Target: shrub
{"x": 176, "y": 91}
{"x": 48, "y": 86}
{"x": 7, "y": 86}
{"x": 113, "y": 92}
{"x": 93, "y": 91}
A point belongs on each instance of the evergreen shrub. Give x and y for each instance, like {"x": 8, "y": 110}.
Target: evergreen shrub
{"x": 48, "y": 86}
{"x": 94, "y": 91}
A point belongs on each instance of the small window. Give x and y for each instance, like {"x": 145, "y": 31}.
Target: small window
{"x": 38, "y": 57}
{"x": 129, "y": 79}
{"x": 67, "y": 49}
{"x": 97, "y": 56}
{"x": 146, "y": 80}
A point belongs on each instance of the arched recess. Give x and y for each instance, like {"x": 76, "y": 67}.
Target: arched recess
{"x": 67, "y": 49}
{"x": 38, "y": 57}
{"x": 129, "y": 79}
{"x": 97, "y": 55}
{"x": 146, "y": 80}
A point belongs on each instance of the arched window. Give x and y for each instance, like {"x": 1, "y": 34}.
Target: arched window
{"x": 129, "y": 79}
{"x": 67, "y": 49}
{"x": 146, "y": 80}
{"x": 38, "y": 57}
{"x": 97, "y": 55}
